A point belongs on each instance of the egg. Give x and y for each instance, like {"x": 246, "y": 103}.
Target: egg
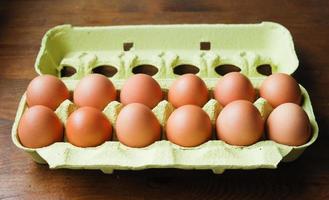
{"x": 188, "y": 126}
{"x": 141, "y": 88}
{"x": 137, "y": 126}
{"x": 39, "y": 126}
{"x": 240, "y": 123}
{"x": 234, "y": 86}
{"x": 288, "y": 124}
{"x": 188, "y": 89}
{"x": 94, "y": 90}
{"x": 280, "y": 88}
{"x": 46, "y": 90}
{"x": 88, "y": 127}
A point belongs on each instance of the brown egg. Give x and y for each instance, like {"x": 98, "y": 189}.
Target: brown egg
{"x": 188, "y": 89}
{"x": 141, "y": 88}
{"x": 240, "y": 123}
{"x": 288, "y": 124}
{"x": 234, "y": 86}
{"x": 39, "y": 127}
{"x": 94, "y": 90}
{"x": 188, "y": 126}
{"x": 280, "y": 88}
{"x": 46, "y": 90}
{"x": 137, "y": 126}
{"x": 88, "y": 127}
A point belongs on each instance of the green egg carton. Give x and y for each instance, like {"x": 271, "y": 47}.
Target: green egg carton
{"x": 208, "y": 47}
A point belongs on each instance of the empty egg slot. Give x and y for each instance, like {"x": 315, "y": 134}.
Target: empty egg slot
{"x": 264, "y": 69}
{"x": 105, "y": 70}
{"x": 186, "y": 69}
{"x": 67, "y": 71}
{"x": 205, "y": 46}
{"x": 127, "y": 46}
{"x": 145, "y": 69}
{"x": 226, "y": 68}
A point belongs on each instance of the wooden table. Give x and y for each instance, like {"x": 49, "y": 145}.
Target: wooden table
{"x": 22, "y": 25}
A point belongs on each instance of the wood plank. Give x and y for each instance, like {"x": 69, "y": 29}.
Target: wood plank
{"x": 22, "y": 25}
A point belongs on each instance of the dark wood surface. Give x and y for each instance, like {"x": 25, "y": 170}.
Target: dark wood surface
{"x": 22, "y": 25}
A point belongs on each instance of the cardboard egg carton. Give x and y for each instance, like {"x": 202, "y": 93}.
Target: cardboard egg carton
{"x": 166, "y": 47}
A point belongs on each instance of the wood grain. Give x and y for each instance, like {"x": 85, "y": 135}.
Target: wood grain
{"x": 22, "y": 25}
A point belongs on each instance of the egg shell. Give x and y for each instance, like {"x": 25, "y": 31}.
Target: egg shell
{"x": 137, "y": 126}
{"x": 88, "y": 127}
{"x": 288, "y": 124}
{"x": 39, "y": 127}
{"x": 141, "y": 88}
{"x": 280, "y": 88}
{"x": 240, "y": 123}
{"x": 188, "y": 89}
{"x": 46, "y": 90}
{"x": 188, "y": 126}
{"x": 234, "y": 86}
{"x": 94, "y": 90}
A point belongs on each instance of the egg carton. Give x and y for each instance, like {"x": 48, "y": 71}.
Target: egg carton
{"x": 167, "y": 48}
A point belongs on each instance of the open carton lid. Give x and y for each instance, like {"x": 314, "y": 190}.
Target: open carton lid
{"x": 205, "y": 46}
